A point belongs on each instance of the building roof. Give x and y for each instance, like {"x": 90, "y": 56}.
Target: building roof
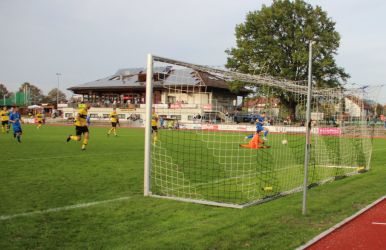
{"x": 135, "y": 78}
{"x": 262, "y": 101}
{"x": 366, "y": 104}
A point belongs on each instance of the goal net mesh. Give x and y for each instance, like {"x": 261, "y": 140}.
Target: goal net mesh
{"x": 206, "y": 149}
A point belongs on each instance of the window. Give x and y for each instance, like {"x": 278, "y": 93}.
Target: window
{"x": 171, "y": 99}
{"x": 177, "y": 117}
{"x": 121, "y": 116}
{"x": 190, "y": 118}
{"x": 93, "y": 115}
{"x": 106, "y": 115}
{"x": 68, "y": 115}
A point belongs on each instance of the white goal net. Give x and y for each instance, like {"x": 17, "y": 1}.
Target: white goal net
{"x": 221, "y": 145}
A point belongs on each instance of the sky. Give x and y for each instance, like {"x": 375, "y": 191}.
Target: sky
{"x": 85, "y": 40}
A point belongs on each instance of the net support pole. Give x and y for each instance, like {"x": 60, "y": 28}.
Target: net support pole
{"x": 308, "y": 131}
{"x": 149, "y": 104}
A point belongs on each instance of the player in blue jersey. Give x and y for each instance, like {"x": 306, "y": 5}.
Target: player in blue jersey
{"x": 261, "y": 119}
{"x": 15, "y": 120}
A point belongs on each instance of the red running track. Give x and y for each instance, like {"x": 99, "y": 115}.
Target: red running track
{"x": 365, "y": 231}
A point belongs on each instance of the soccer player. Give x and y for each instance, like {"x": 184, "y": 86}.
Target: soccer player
{"x": 154, "y": 125}
{"x": 39, "y": 119}
{"x": 88, "y": 120}
{"x": 260, "y": 127}
{"x": 4, "y": 120}
{"x": 81, "y": 127}
{"x": 15, "y": 119}
{"x": 255, "y": 143}
{"x": 260, "y": 121}
{"x": 114, "y": 121}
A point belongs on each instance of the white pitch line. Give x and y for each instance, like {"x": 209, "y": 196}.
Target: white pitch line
{"x": 61, "y": 157}
{"x": 379, "y": 223}
{"x": 58, "y": 209}
{"x": 332, "y": 166}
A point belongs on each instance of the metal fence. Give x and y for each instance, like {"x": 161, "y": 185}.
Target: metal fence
{"x": 19, "y": 99}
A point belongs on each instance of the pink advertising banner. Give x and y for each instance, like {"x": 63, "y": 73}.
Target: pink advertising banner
{"x": 329, "y": 131}
{"x": 175, "y": 106}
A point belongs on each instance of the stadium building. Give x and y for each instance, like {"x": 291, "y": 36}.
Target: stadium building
{"x": 177, "y": 93}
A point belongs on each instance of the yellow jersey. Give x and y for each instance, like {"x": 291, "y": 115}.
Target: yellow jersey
{"x": 154, "y": 120}
{"x": 114, "y": 116}
{"x": 39, "y": 117}
{"x": 4, "y": 115}
{"x": 81, "y": 119}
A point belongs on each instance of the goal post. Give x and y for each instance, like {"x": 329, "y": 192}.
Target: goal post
{"x": 149, "y": 102}
{"x": 227, "y": 148}
{"x": 308, "y": 130}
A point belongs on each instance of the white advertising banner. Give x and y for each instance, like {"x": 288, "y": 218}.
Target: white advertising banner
{"x": 246, "y": 128}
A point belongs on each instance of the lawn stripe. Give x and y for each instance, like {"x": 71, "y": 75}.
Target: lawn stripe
{"x": 64, "y": 156}
{"x": 58, "y": 209}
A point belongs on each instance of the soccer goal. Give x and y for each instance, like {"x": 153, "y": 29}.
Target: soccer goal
{"x": 206, "y": 148}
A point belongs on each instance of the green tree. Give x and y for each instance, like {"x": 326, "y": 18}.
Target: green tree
{"x": 379, "y": 109}
{"x": 275, "y": 39}
{"x": 52, "y": 96}
{"x": 3, "y": 91}
{"x": 34, "y": 93}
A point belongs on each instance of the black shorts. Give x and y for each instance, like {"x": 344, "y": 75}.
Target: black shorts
{"x": 154, "y": 128}
{"x": 113, "y": 124}
{"x": 4, "y": 123}
{"x": 81, "y": 130}
{"x": 40, "y": 122}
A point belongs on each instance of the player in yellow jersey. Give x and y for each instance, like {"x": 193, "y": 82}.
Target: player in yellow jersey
{"x": 4, "y": 120}
{"x": 81, "y": 127}
{"x": 114, "y": 121}
{"x": 39, "y": 119}
{"x": 154, "y": 125}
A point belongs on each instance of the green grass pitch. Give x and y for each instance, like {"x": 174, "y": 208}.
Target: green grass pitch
{"x": 45, "y": 172}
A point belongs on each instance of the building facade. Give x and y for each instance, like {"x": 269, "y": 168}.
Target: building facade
{"x": 177, "y": 93}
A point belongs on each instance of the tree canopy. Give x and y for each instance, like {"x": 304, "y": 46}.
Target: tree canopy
{"x": 35, "y": 93}
{"x": 275, "y": 40}
{"x": 3, "y": 91}
{"x": 52, "y": 96}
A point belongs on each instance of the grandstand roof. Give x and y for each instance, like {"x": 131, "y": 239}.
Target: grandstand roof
{"x": 135, "y": 78}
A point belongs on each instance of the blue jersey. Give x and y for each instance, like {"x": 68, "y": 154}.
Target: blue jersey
{"x": 16, "y": 118}
{"x": 259, "y": 123}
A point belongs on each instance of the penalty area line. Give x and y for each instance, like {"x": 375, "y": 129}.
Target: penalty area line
{"x": 58, "y": 209}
